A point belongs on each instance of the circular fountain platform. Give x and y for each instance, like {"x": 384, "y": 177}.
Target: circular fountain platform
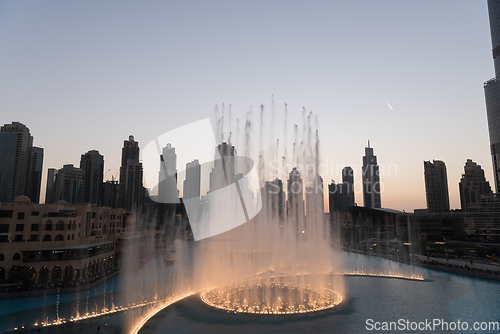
{"x": 271, "y": 298}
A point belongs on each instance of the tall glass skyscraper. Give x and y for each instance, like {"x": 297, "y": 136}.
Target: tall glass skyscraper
{"x": 131, "y": 191}
{"x": 92, "y": 164}
{"x": 20, "y": 163}
{"x": 436, "y": 186}
{"x": 167, "y": 179}
{"x": 371, "y": 180}
{"x": 492, "y": 91}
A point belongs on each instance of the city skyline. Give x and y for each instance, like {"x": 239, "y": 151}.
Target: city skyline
{"x": 315, "y": 66}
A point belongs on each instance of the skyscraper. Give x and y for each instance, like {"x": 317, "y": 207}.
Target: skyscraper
{"x": 348, "y": 188}
{"x": 92, "y": 164}
{"x": 50, "y": 190}
{"x": 192, "y": 183}
{"x": 436, "y": 186}
{"x": 314, "y": 198}
{"x": 167, "y": 178}
{"x": 69, "y": 184}
{"x": 134, "y": 190}
{"x": 110, "y": 193}
{"x": 223, "y": 172}
{"x": 492, "y": 91}
{"x": 20, "y": 163}
{"x": 334, "y": 197}
{"x": 274, "y": 198}
{"x": 35, "y": 174}
{"x": 472, "y": 185}
{"x": 131, "y": 190}
{"x": 295, "y": 201}
{"x": 371, "y": 180}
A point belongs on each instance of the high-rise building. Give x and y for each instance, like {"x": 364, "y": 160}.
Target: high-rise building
{"x": 224, "y": 170}
{"x": 110, "y": 194}
{"x": 92, "y": 164}
{"x": 34, "y": 183}
{"x": 167, "y": 178}
{"x": 314, "y": 198}
{"x": 436, "y": 186}
{"x": 131, "y": 190}
{"x": 50, "y": 190}
{"x": 371, "y": 180}
{"x": 192, "y": 183}
{"x": 130, "y": 150}
{"x": 295, "y": 201}
{"x": 492, "y": 91}
{"x": 274, "y": 198}
{"x": 20, "y": 163}
{"x": 134, "y": 190}
{"x": 341, "y": 196}
{"x": 473, "y": 185}
{"x": 69, "y": 184}
{"x": 335, "y": 197}
{"x": 348, "y": 188}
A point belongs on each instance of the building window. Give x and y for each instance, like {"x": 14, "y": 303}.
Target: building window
{"x": 20, "y": 215}
{"x": 35, "y": 227}
{"x": 48, "y": 226}
{"x": 47, "y": 237}
{"x": 16, "y": 257}
{"x": 35, "y": 213}
{"x": 4, "y": 238}
{"x": 59, "y": 237}
{"x": 19, "y": 227}
{"x": 34, "y": 237}
{"x": 18, "y": 238}
{"x": 60, "y": 225}
{"x": 4, "y": 228}
{"x": 2, "y": 257}
{"x": 5, "y": 213}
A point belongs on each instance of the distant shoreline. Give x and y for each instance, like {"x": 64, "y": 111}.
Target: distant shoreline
{"x": 54, "y": 291}
{"x": 442, "y": 266}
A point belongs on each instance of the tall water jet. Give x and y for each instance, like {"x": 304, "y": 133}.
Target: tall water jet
{"x": 280, "y": 261}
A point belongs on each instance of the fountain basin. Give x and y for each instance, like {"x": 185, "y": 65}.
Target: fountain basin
{"x": 271, "y": 298}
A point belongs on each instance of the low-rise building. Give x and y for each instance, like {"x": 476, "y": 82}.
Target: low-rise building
{"x": 58, "y": 242}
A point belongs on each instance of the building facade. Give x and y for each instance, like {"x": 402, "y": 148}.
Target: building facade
{"x": 58, "y": 242}
{"x": 436, "y": 186}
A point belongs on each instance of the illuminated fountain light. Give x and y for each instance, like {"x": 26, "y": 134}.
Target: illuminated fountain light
{"x": 412, "y": 277}
{"x": 271, "y": 298}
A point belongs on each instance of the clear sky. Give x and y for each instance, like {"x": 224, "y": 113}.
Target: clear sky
{"x": 86, "y": 75}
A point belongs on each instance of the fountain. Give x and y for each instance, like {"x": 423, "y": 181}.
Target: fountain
{"x": 281, "y": 260}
